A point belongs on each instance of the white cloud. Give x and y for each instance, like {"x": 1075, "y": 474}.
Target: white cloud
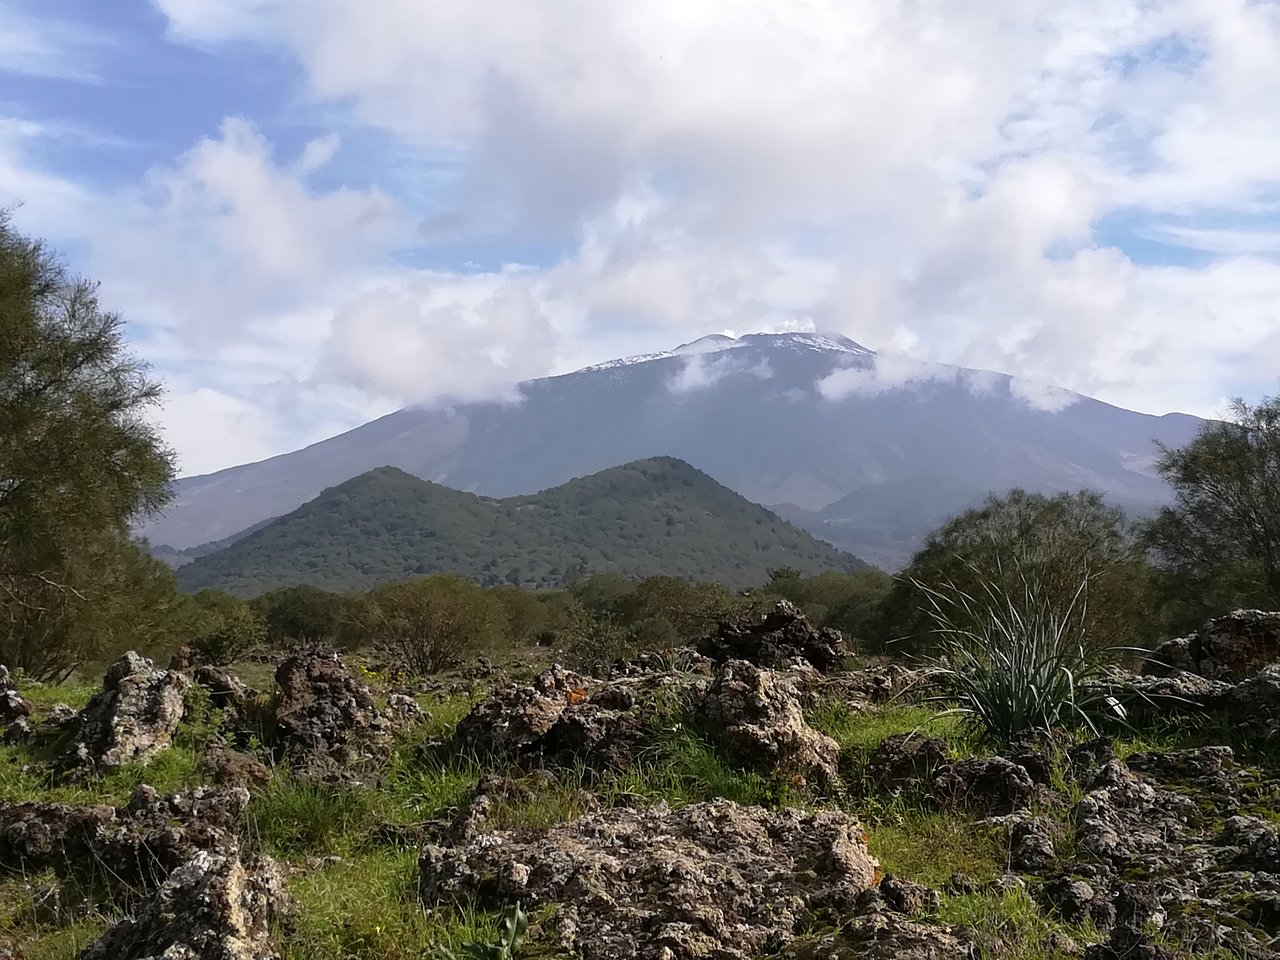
{"x": 928, "y": 179}
{"x": 884, "y": 373}
{"x": 701, "y": 370}
{"x": 1042, "y": 396}
{"x": 426, "y": 336}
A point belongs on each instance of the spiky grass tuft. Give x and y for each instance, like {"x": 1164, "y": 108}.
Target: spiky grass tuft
{"x": 1012, "y": 662}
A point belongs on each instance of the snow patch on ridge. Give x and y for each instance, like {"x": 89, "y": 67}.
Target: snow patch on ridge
{"x": 720, "y": 343}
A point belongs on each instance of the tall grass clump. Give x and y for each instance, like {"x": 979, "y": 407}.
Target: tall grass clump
{"x": 1011, "y": 661}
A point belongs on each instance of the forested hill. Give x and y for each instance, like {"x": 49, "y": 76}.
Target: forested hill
{"x": 648, "y": 517}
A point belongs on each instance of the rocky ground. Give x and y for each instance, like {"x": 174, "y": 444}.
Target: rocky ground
{"x": 762, "y": 795}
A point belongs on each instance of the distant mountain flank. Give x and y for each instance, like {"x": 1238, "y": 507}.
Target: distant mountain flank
{"x": 805, "y": 420}
{"x": 648, "y": 517}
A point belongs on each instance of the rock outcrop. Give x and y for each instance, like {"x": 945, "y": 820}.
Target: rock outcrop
{"x": 130, "y": 720}
{"x": 559, "y": 719}
{"x": 905, "y": 761}
{"x": 213, "y": 907}
{"x": 995, "y": 784}
{"x": 710, "y": 880}
{"x": 12, "y": 706}
{"x": 755, "y": 714}
{"x": 1230, "y": 648}
{"x": 132, "y": 848}
{"x": 563, "y": 719}
{"x": 1171, "y": 818}
{"x": 780, "y": 639}
{"x": 327, "y": 724}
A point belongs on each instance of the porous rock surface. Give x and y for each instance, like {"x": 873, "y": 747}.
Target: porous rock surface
{"x": 1255, "y": 703}
{"x": 562, "y": 719}
{"x": 1174, "y": 820}
{"x": 133, "y": 847}
{"x": 12, "y": 706}
{"x": 1232, "y": 648}
{"x": 212, "y": 907}
{"x": 905, "y": 761}
{"x": 130, "y": 720}
{"x": 756, "y": 715}
{"x": 327, "y": 723}
{"x": 996, "y": 784}
{"x": 781, "y": 638}
{"x": 559, "y": 718}
{"x": 710, "y": 880}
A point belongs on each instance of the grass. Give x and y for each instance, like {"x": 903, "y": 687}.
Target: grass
{"x": 863, "y": 731}
{"x": 26, "y": 775}
{"x": 930, "y": 848}
{"x": 367, "y": 907}
{"x": 1014, "y": 922}
{"x": 30, "y": 915}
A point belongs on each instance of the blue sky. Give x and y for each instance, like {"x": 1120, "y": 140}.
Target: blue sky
{"x": 315, "y": 211}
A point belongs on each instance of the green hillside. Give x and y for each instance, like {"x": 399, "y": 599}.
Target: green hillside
{"x": 640, "y": 519}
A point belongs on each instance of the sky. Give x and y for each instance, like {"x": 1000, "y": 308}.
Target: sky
{"x": 313, "y": 212}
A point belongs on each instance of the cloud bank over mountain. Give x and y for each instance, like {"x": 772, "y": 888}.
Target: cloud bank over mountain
{"x": 402, "y": 202}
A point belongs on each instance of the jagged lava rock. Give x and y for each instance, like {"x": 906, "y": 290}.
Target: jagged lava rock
{"x": 710, "y": 880}
{"x": 135, "y": 847}
{"x": 756, "y": 714}
{"x": 905, "y": 760}
{"x": 12, "y": 706}
{"x": 213, "y": 907}
{"x": 781, "y": 638}
{"x": 1255, "y": 703}
{"x": 557, "y": 719}
{"x": 989, "y": 783}
{"x": 327, "y": 723}
{"x": 131, "y": 719}
{"x": 1233, "y": 647}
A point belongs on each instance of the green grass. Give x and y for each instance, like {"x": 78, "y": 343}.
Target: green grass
{"x": 443, "y": 714}
{"x": 42, "y": 696}
{"x": 1012, "y": 920}
{"x": 291, "y": 818}
{"x": 930, "y": 848}
{"x": 862, "y": 730}
{"x": 30, "y": 916}
{"x": 367, "y": 907}
{"x": 26, "y": 775}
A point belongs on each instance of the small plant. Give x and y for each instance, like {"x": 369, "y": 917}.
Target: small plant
{"x": 1013, "y": 662}
{"x": 511, "y": 932}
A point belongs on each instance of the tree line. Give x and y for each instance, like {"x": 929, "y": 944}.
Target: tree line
{"x": 81, "y": 461}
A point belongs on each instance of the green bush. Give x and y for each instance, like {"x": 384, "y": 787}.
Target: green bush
{"x": 1217, "y": 547}
{"x": 1056, "y": 543}
{"x": 427, "y": 624}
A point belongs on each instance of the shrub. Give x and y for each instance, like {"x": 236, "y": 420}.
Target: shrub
{"x": 1056, "y": 543}
{"x": 228, "y": 628}
{"x": 1218, "y": 546}
{"x": 425, "y": 625}
{"x": 300, "y": 614}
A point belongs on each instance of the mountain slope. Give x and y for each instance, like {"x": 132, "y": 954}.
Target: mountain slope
{"x": 652, "y": 516}
{"x": 780, "y": 418}
{"x": 886, "y": 522}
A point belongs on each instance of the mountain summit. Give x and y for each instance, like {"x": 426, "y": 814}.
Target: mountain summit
{"x": 796, "y": 420}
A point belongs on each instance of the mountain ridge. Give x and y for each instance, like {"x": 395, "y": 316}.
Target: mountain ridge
{"x": 804, "y": 419}
{"x": 659, "y": 515}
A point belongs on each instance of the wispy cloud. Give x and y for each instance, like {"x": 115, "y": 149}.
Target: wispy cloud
{"x": 42, "y": 46}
